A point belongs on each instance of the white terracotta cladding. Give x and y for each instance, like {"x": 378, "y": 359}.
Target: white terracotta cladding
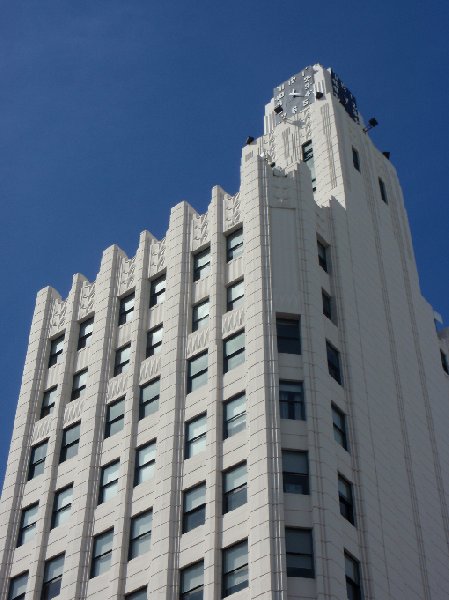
{"x": 394, "y": 392}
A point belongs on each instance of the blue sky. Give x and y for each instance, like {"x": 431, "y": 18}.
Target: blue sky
{"x": 111, "y": 111}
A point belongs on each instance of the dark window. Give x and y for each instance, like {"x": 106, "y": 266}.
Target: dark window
{"x": 28, "y": 524}
{"x": 56, "y": 348}
{"x": 101, "y": 556}
{"x": 352, "y": 576}
{"x": 201, "y": 264}
{"x": 291, "y": 400}
{"x": 234, "y": 244}
{"x": 18, "y": 587}
{"x": 145, "y": 462}
{"x": 192, "y": 581}
{"x": 149, "y": 398}
{"x": 333, "y": 362}
{"x": 109, "y": 481}
{"x": 157, "y": 291}
{"x": 70, "y": 442}
{"x": 154, "y": 341}
{"x": 234, "y": 487}
{"x": 194, "y": 507}
{"x": 53, "y": 571}
{"x": 137, "y": 595}
{"x": 48, "y": 402}
{"x": 115, "y": 417}
{"x": 79, "y": 384}
{"x": 62, "y": 506}
{"x": 122, "y": 358}
{"x": 196, "y": 371}
{"x": 299, "y": 549}
{"x": 86, "y": 329}
{"x": 235, "y": 295}
{"x": 234, "y": 413}
{"x": 126, "y": 309}
{"x": 346, "y": 499}
{"x": 295, "y": 471}
{"x": 288, "y": 335}
{"x": 356, "y": 159}
{"x": 383, "y": 191}
{"x": 233, "y": 351}
{"x": 140, "y": 536}
{"x": 235, "y": 568}
{"x": 444, "y": 362}
{"x": 339, "y": 426}
{"x": 37, "y": 460}
{"x": 200, "y": 315}
{"x": 322, "y": 256}
{"x": 307, "y": 157}
{"x": 195, "y": 436}
{"x": 327, "y": 305}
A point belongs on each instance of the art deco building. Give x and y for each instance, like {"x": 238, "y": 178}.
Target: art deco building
{"x": 255, "y": 406}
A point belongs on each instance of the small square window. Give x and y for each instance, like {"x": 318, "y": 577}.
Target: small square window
{"x": 194, "y": 507}
{"x": 352, "y": 576}
{"x": 200, "y": 315}
{"x": 201, "y": 264}
{"x": 18, "y": 587}
{"x": 122, "y": 358}
{"x": 444, "y": 362}
{"x": 234, "y": 244}
{"x": 233, "y": 351}
{"x": 53, "y": 571}
{"x": 48, "y": 402}
{"x": 291, "y": 400}
{"x": 140, "y": 536}
{"x": 62, "y": 506}
{"x": 322, "y": 256}
{"x": 126, "y": 309}
{"x": 137, "y": 595}
{"x": 383, "y": 191}
{"x": 299, "y": 550}
{"x": 37, "y": 460}
{"x": 288, "y": 335}
{"x": 235, "y": 295}
{"x": 79, "y": 384}
{"x": 192, "y": 582}
{"x": 339, "y": 426}
{"x": 157, "y": 291}
{"x": 196, "y": 372}
{"x": 234, "y": 487}
{"x": 327, "y": 305}
{"x": 102, "y": 551}
{"x": 145, "y": 462}
{"x": 86, "y": 330}
{"x": 154, "y": 341}
{"x": 295, "y": 471}
{"x": 346, "y": 499}
{"x": 28, "y": 524}
{"x": 235, "y": 569}
{"x": 333, "y": 362}
{"x": 70, "y": 442}
{"x": 234, "y": 416}
{"x": 149, "y": 398}
{"x": 115, "y": 417}
{"x": 356, "y": 159}
{"x": 109, "y": 481}
{"x": 195, "y": 436}
{"x": 56, "y": 348}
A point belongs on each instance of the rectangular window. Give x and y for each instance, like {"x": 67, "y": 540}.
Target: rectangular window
{"x": 194, "y": 507}
{"x": 356, "y": 159}
{"x": 140, "y": 536}
{"x": 200, "y": 315}
{"x": 233, "y": 351}
{"x": 444, "y": 362}
{"x": 192, "y": 581}
{"x": 137, "y": 595}
{"x": 18, "y": 587}
{"x": 235, "y": 295}
{"x": 383, "y": 191}
{"x": 86, "y": 329}
{"x": 299, "y": 550}
{"x": 234, "y": 413}
{"x": 126, "y": 309}
{"x": 346, "y": 499}
{"x": 157, "y": 291}
{"x": 79, "y": 384}
{"x": 291, "y": 400}
{"x": 70, "y": 442}
{"x": 28, "y": 524}
{"x": 122, "y": 358}
{"x": 235, "y": 568}
{"x": 62, "y": 506}
{"x": 307, "y": 157}
{"x": 154, "y": 341}
{"x": 339, "y": 426}
{"x": 234, "y": 244}
{"x": 333, "y": 362}
{"x": 288, "y": 335}
{"x": 235, "y": 487}
{"x": 149, "y": 398}
{"x": 196, "y": 372}
{"x": 115, "y": 417}
{"x": 53, "y": 571}
{"x": 322, "y": 256}
{"x": 352, "y": 576}
{"x": 201, "y": 264}
{"x": 109, "y": 481}
{"x": 37, "y": 460}
{"x": 145, "y": 462}
{"x": 102, "y": 550}
{"x": 56, "y": 348}
{"x": 48, "y": 402}
{"x": 295, "y": 471}
{"x": 327, "y": 305}
{"x": 195, "y": 436}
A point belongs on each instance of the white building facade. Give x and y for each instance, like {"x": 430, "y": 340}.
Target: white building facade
{"x": 255, "y": 406}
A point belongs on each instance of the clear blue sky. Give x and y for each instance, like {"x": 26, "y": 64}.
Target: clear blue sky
{"x": 111, "y": 111}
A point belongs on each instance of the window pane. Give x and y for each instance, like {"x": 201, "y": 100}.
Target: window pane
{"x": 197, "y": 446}
{"x": 125, "y": 353}
{"x": 192, "y": 577}
{"x": 64, "y": 497}
{"x": 72, "y": 434}
{"x": 110, "y": 473}
{"x": 103, "y": 543}
{"x": 288, "y": 336}
{"x": 234, "y": 343}
{"x": 235, "y": 557}
{"x": 150, "y": 391}
{"x": 146, "y": 454}
{"x": 196, "y": 428}
{"x": 54, "y": 568}
{"x": 101, "y": 565}
{"x": 295, "y": 462}
{"x": 18, "y": 586}
{"x": 199, "y": 363}
{"x": 299, "y": 541}
{"x": 138, "y": 595}
{"x": 194, "y": 497}
{"x": 29, "y": 515}
{"x": 116, "y": 409}
{"x": 141, "y": 524}
{"x": 235, "y": 477}
{"x": 39, "y": 452}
